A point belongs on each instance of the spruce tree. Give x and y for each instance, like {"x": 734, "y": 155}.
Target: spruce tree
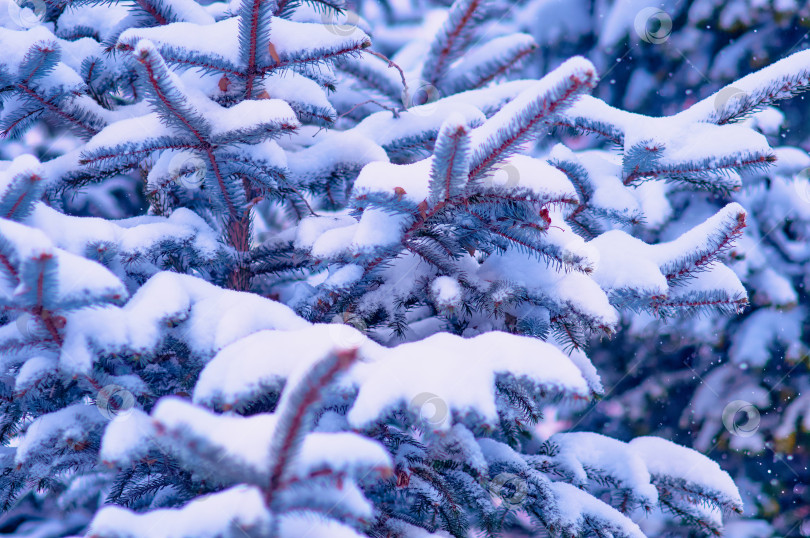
{"x": 730, "y": 387}
{"x": 348, "y": 285}
{"x": 733, "y": 388}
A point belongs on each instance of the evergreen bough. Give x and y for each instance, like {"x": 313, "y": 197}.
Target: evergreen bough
{"x": 336, "y": 324}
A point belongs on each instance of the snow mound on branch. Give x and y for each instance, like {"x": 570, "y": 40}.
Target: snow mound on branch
{"x": 429, "y": 370}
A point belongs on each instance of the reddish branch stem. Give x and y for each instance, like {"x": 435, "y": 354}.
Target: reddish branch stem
{"x": 254, "y": 31}
{"x": 539, "y": 117}
{"x": 311, "y": 395}
{"x": 710, "y": 256}
{"x": 452, "y": 37}
{"x": 160, "y": 19}
{"x": 683, "y": 171}
{"x": 55, "y": 109}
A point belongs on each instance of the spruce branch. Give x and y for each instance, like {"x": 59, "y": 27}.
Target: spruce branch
{"x": 453, "y": 38}
{"x": 295, "y": 415}
{"x": 254, "y": 38}
{"x": 520, "y": 120}
{"x": 451, "y": 162}
{"x": 781, "y": 80}
{"x": 494, "y": 60}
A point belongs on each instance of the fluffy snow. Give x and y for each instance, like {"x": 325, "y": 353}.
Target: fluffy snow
{"x": 567, "y": 289}
{"x": 752, "y": 344}
{"x": 584, "y": 364}
{"x": 102, "y": 16}
{"x": 773, "y": 288}
{"x": 34, "y": 369}
{"x": 124, "y": 131}
{"x": 343, "y": 277}
{"x": 400, "y": 375}
{"x": 544, "y": 181}
{"x": 410, "y": 181}
{"x": 80, "y": 281}
{"x": 592, "y": 110}
{"x": 306, "y": 526}
{"x": 604, "y": 173}
{"x": 23, "y": 164}
{"x": 687, "y": 146}
{"x": 250, "y": 349}
{"x": 127, "y": 438}
{"x": 343, "y": 452}
{"x": 245, "y": 444}
{"x": 28, "y": 243}
{"x": 685, "y": 141}
{"x": 790, "y": 160}
{"x": 209, "y": 516}
{"x": 446, "y": 292}
{"x": 596, "y": 453}
{"x": 220, "y": 39}
{"x": 245, "y": 115}
{"x": 262, "y": 362}
{"x": 695, "y": 239}
{"x": 499, "y": 47}
{"x": 575, "y": 505}
{"x": 347, "y": 149}
{"x": 768, "y": 121}
{"x": 66, "y": 427}
{"x": 84, "y": 282}
{"x": 792, "y": 66}
{"x": 616, "y": 248}
{"x": 290, "y": 37}
{"x": 310, "y": 229}
{"x": 492, "y": 98}
{"x": 15, "y": 44}
{"x": 666, "y": 459}
{"x": 387, "y": 130}
{"x": 211, "y": 319}
{"x": 335, "y": 241}
{"x": 650, "y": 261}
{"x": 245, "y": 370}
{"x": 379, "y": 229}
{"x": 538, "y": 92}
